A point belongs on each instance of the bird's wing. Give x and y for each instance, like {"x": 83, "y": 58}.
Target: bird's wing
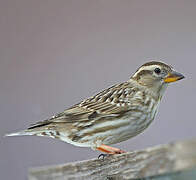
{"x": 108, "y": 103}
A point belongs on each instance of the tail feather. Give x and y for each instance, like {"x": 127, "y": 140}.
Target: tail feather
{"x": 21, "y": 133}
{"x": 32, "y": 132}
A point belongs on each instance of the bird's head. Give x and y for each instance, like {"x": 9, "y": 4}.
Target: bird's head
{"x": 156, "y": 75}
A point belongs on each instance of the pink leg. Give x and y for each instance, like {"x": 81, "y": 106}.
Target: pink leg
{"x": 110, "y": 150}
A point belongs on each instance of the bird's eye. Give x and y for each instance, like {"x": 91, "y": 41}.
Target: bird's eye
{"x": 157, "y": 70}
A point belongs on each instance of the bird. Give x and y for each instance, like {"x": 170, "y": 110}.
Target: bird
{"x": 116, "y": 114}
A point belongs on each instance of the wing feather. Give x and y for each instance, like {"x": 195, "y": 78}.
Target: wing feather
{"x": 111, "y": 102}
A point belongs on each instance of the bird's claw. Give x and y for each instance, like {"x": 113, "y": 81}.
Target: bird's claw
{"x": 103, "y": 156}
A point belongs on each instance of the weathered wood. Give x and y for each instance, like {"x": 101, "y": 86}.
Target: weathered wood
{"x": 163, "y": 159}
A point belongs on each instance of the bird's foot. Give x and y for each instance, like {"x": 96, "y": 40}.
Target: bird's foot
{"x": 103, "y": 156}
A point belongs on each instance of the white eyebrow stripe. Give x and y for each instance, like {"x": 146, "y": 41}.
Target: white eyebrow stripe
{"x": 150, "y": 67}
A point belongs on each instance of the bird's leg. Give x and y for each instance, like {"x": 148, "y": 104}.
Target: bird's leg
{"x": 109, "y": 150}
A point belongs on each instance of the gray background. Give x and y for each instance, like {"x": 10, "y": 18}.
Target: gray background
{"x": 53, "y": 54}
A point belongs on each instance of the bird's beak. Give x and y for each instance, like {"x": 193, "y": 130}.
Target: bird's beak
{"x": 173, "y": 76}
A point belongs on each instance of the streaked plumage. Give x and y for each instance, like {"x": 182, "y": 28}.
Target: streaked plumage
{"x": 113, "y": 115}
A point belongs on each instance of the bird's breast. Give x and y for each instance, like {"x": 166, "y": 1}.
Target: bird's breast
{"x": 141, "y": 114}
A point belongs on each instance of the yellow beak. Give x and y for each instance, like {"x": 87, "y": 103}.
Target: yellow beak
{"x": 173, "y": 76}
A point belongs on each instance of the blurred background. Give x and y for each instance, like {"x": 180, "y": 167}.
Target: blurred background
{"x": 54, "y": 54}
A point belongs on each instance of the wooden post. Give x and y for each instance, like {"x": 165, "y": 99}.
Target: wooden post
{"x": 161, "y": 160}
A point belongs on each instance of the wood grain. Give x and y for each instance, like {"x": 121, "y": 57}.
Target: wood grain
{"x": 163, "y": 159}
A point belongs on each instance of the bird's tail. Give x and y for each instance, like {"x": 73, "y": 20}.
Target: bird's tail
{"x": 22, "y": 133}
{"x": 35, "y": 132}
{"x": 36, "y": 129}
